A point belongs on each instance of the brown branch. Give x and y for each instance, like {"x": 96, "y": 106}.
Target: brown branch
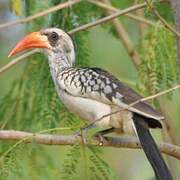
{"x": 40, "y": 14}
{"x": 124, "y": 36}
{"x": 17, "y": 60}
{"x": 134, "y": 143}
{"x": 163, "y": 21}
{"x": 113, "y": 9}
{"x": 48, "y": 139}
{"x": 110, "y": 17}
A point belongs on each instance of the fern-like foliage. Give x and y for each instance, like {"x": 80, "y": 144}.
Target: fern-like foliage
{"x": 89, "y": 162}
{"x": 98, "y": 167}
{"x": 70, "y": 165}
{"x": 158, "y": 70}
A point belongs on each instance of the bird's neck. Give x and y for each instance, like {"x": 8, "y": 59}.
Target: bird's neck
{"x": 59, "y": 61}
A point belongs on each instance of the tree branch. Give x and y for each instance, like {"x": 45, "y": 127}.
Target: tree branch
{"x": 17, "y": 60}
{"x": 40, "y": 14}
{"x": 124, "y": 36}
{"x": 118, "y": 142}
{"x": 113, "y": 9}
{"x": 110, "y": 17}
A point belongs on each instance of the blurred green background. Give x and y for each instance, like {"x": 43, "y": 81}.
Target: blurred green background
{"x": 105, "y": 51}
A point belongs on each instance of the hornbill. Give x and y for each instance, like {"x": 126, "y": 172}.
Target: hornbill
{"x": 92, "y": 93}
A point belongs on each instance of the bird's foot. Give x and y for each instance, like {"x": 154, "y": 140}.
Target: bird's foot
{"x": 100, "y": 138}
{"x": 100, "y": 135}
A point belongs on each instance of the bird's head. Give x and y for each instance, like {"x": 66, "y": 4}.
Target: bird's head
{"x": 53, "y": 41}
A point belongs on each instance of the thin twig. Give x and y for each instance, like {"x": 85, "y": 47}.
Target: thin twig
{"x": 110, "y": 17}
{"x": 17, "y": 60}
{"x": 163, "y": 21}
{"x": 142, "y": 100}
{"x": 49, "y": 139}
{"x": 124, "y": 36}
{"x": 113, "y": 9}
{"x": 40, "y": 14}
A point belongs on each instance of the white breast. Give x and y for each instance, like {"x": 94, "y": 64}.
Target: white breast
{"x": 86, "y": 108}
{"x": 92, "y": 110}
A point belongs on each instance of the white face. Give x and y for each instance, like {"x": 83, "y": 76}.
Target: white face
{"x": 60, "y": 42}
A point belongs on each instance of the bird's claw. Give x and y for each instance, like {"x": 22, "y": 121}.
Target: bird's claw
{"x": 100, "y": 138}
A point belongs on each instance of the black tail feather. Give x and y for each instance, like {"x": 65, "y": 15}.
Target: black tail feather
{"x": 150, "y": 148}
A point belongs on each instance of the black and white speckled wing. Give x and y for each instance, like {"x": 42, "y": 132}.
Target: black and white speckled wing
{"x": 98, "y": 84}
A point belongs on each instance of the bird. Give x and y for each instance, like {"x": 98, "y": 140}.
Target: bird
{"x": 92, "y": 93}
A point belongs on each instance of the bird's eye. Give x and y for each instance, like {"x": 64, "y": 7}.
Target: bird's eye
{"x": 54, "y": 36}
